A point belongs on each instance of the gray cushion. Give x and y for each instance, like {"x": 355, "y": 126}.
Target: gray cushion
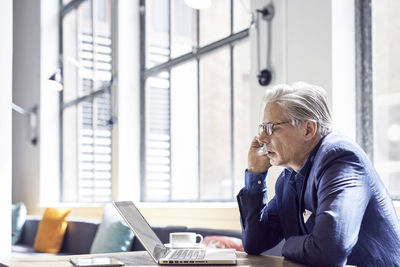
{"x": 29, "y": 231}
{"x": 79, "y": 236}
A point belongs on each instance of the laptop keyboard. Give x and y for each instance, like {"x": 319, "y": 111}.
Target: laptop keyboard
{"x": 188, "y": 254}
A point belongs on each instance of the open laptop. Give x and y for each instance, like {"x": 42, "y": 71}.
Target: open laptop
{"x": 162, "y": 254}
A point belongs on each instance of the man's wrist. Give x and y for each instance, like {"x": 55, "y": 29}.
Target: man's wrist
{"x": 255, "y": 181}
{"x": 255, "y": 170}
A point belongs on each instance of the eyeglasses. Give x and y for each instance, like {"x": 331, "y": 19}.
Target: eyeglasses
{"x": 268, "y": 128}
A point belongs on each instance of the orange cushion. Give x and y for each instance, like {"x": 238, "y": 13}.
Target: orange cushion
{"x": 51, "y": 230}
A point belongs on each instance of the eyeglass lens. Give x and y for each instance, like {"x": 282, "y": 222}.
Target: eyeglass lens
{"x": 267, "y": 128}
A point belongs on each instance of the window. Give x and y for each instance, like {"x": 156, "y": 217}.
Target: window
{"x": 386, "y": 92}
{"x": 86, "y": 110}
{"x": 195, "y": 100}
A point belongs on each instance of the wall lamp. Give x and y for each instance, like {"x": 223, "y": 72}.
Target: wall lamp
{"x": 265, "y": 75}
{"x": 55, "y": 81}
{"x": 32, "y": 117}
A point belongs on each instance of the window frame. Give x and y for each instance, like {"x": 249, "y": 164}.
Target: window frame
{"x": 104, "y": 88}
{"x": 195, "y": 54}
{"x": 364, "y": 77}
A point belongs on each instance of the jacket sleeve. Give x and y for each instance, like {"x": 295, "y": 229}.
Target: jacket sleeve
{"x": 260, "y": 222}
{"x": 342, "y": 196}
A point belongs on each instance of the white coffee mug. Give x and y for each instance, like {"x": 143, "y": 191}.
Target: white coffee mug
{"x": 184, "y": 239}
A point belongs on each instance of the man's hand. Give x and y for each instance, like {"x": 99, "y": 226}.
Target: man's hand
{"x": 258, "y": 162}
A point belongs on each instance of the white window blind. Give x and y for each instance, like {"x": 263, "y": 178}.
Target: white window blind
{"x": 87, "y": 106}
{"x": 158, "y": 156}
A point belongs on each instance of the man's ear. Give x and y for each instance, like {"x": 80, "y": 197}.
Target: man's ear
{"x": 310, "y": 129}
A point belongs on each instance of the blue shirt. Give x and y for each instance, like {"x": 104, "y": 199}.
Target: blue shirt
{"x": 352, "y": 219}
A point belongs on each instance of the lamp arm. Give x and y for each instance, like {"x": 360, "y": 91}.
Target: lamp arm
{"x": 33, "y": 119}
{"x": 19, "y": 109}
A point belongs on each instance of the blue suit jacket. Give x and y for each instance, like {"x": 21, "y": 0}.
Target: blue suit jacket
{"x": 352, "y": 218}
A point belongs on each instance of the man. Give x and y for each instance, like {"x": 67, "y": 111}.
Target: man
{"x": 330, "y": 204}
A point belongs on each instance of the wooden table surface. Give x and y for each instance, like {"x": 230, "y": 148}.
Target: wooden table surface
{"x": 142, "y": 258}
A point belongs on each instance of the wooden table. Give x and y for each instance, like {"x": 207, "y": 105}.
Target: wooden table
{"x": 142, "y": 258}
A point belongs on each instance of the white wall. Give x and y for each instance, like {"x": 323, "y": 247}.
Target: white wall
{"x": 26, "y": 93}
{"x": 126, "y": 134}
{"x": 321, "y": 50}
{"x": 343, "y": 67}
{"x": 5, "y": 118}
{"x": 309, "y": 42}
{"x": 35, "y": 167}
{"x": 49, "y": 105}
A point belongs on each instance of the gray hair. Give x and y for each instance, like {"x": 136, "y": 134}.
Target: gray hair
{"x": 301, "y": 102}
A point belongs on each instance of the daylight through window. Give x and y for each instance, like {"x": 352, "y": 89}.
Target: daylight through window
{"x": 195, "y": 100}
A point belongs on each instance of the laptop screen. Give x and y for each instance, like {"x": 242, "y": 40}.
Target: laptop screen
{"x": 141, "y": 228}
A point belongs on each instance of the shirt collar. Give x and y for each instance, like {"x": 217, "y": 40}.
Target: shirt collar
{"x": 310, "y": 160}
{"x": 306, "y": 166}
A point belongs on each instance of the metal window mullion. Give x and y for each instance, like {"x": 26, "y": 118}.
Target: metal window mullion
{"x": 232, "y": 86}
{"x": 169, "y": 101}
{"x": 60, "y": 101}
{"x": 197, "y": 29}
{"x": 94, "y": 126}
{"x": 64, "y": 10}
{"x": 143, "y": 170}
{"x": 104, "y": 89}
{"x": 92, "y": 100}
{"x": 113, "y": 95}
{"x": 77, "y": 86}
{"x": 78, "y": 121}
{"x": 196, "y": 54}
{"x": 364, "y": 74}
{"x": 111, "y": 91}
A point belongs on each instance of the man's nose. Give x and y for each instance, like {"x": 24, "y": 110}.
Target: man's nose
{"x": 264, "y": 137}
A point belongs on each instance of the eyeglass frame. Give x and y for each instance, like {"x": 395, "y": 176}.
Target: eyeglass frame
{"x": 268, "y": 128}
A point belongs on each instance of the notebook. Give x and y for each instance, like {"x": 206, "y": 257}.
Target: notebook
{"x": 160, "y": 253}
